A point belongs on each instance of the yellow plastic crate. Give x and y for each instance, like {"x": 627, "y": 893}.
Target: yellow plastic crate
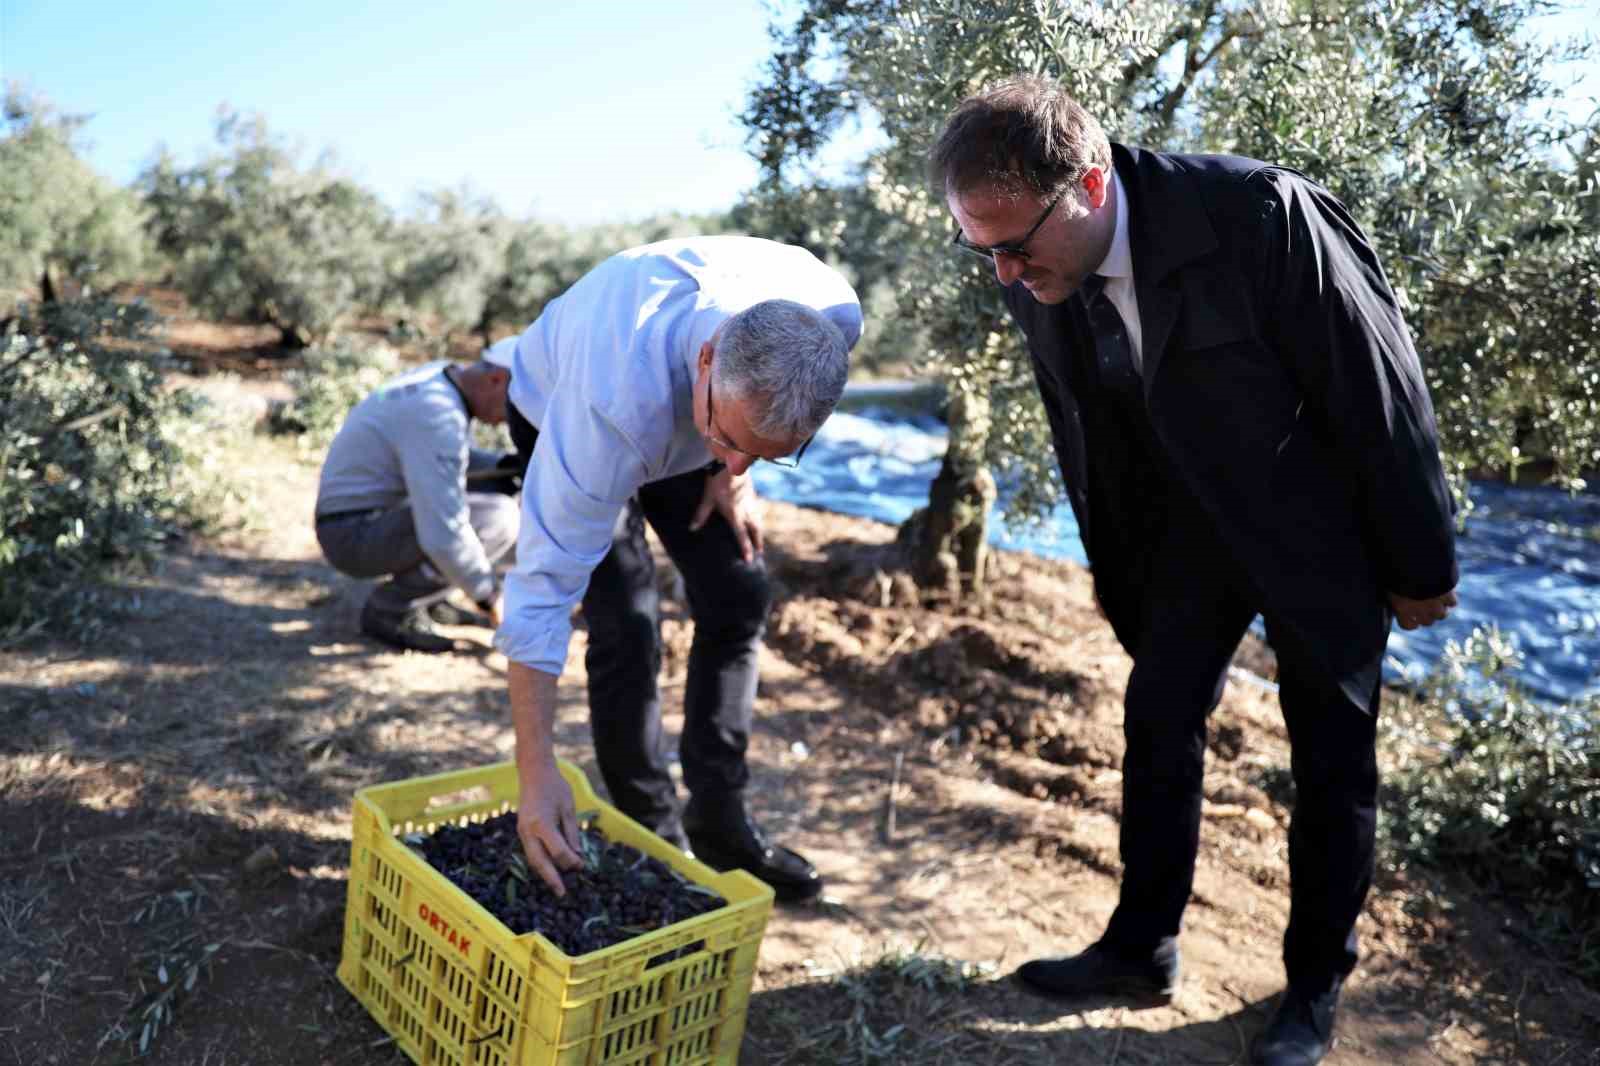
{"x": 453, "y": 986}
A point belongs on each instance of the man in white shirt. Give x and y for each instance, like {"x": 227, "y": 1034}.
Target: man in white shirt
{"x": 644, "y": 394}
{"x": 393, "y": 500}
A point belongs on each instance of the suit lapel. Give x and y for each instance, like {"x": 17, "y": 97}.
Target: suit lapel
{"x": 1167, "y": 228}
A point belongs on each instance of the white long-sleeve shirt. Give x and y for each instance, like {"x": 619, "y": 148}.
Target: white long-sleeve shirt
{"x": 606, "y": 374}
{"x": 410, "y": 442}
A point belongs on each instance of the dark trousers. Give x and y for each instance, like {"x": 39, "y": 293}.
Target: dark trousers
{"x": 1198, "y": 609}
{"x": 728, "y": 601}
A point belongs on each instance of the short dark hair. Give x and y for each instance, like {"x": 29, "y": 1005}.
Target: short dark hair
{"x": 1023, "y": 133}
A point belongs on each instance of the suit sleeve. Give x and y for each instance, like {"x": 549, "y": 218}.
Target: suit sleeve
{"x": 1334, "y": 317}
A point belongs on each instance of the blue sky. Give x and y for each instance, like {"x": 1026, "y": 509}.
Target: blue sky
{"x": 575, "y": 112}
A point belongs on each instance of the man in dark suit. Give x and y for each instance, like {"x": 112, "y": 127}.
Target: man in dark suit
{"x": 1243, "y": 428}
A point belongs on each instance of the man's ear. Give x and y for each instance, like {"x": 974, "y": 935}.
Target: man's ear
{"x": 1095, "y": 187}
{"x": 706, "y": 352}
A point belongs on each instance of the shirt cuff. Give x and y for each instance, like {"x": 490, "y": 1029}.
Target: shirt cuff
{"x": 540, "y": 644}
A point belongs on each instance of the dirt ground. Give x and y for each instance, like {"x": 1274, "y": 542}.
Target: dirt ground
{"x": 176, "y": 801}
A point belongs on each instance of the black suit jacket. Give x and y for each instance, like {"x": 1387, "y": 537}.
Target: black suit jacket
{"x": 1286, "y": 399}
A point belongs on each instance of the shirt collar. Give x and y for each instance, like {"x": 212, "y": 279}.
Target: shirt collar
{"x": 1118, "y": 262}
{"x": 444, "y": 372}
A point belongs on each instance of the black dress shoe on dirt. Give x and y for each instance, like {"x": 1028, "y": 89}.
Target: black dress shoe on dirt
{"x": 412, "y": 630}
{"x": 724, "y": 838}
{"x": 1300, "y": 1032}
{"x": 1098, "y": 971}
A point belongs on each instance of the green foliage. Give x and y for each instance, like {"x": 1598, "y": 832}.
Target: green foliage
{"x": 92, "y": 450}
{"x": 1429, "y": 119}
{"x": 326, "y": 386}
{"x": 252, "y": 236}
{"x": 450, "y": 254}
{"x": 542, "y": 260}
{"x": 1510, "y": 795}
{"x": 463, "y": 265}
{"x": 846, "y": 228}
{"x": 1512, "y": 334}
{"x": 58, "y": 218}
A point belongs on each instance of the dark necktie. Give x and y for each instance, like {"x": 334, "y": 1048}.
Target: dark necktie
{"x": 1112, "y": 347}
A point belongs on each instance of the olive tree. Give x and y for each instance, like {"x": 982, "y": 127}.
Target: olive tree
{"x": 253, "y": 235}
{"x": 59, "y": 219}
{"x": 449, "y": 256}
{"x": 541, "y": 260}
{"x": 95, "y": 449}
{"x": 1426, "y": 116}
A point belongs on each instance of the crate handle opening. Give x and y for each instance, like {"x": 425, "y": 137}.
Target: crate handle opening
{"x": 460, "y": 797}
{"x": 677, "y": 953}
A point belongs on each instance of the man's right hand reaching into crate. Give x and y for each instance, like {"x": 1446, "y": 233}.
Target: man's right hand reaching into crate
{"x": 547, "y": 819}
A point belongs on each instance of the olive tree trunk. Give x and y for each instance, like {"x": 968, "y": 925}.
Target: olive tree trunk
{"x": 945, "y": 544}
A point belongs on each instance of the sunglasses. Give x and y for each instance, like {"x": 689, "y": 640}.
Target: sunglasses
{"x": 1012, "y": 248}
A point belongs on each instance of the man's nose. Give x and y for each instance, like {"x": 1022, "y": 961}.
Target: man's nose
{"x": 740, "y": 463}
{"x": 1008, "y": 268}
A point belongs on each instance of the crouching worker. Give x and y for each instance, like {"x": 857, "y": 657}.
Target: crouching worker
{"x": 404, "y": 496}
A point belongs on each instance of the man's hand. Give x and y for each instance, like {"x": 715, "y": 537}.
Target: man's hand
{"x": 736, "y": 500}
{"x": 1413, "y": 613}
{"x": 547, "y": 824}
{"x": 547, "y": 821}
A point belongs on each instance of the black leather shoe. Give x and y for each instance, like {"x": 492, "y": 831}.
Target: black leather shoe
{"x": 1300, "y": 1032}
{"x": 723, "y": 837}
{"x": 1098, "y": 971}
{"x": 412, "y": 630}
{"x": 445, "y": 613}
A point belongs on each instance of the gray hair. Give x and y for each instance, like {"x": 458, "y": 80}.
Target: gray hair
{"x": 1025, "y": 132}
{"x": 789, "y": 357}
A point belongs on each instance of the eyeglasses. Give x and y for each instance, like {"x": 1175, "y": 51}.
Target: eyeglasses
{"x": 1017, "y": 248}
{"x": 788, "y": 462}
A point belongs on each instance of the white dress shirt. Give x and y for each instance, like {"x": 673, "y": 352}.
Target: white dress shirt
{"x": 1117, "y": 269}
{"x": 606, "y": 375}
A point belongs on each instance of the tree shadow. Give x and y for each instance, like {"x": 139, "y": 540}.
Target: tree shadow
{"x": 910, "y": 1008}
